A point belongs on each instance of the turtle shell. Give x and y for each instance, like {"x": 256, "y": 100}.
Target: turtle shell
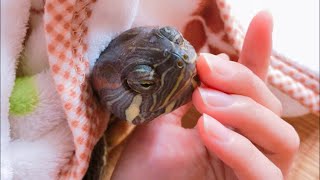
{"x": 145, "y": 72}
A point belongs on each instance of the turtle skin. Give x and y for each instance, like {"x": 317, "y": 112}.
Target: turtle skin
{"x": 143, "y": 73}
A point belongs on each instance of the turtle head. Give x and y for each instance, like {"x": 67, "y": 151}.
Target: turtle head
{"x": 152, "y": 72}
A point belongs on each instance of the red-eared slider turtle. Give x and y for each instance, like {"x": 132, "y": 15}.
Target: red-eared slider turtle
{"x": 143, "y": 73}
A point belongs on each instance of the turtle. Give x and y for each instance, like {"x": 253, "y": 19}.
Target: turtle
{"x": 143, "y": 73}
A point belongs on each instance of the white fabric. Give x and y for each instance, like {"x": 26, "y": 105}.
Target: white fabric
{"x": 34, "y": 58}
{"x": 291, "y": 108}
{"x": 41, "y": 142}
{"x": 13, "y": 30}
{"x": 296, "y": 27}
{"x": 106, "y": 22}
{"x": 38, "y": 144}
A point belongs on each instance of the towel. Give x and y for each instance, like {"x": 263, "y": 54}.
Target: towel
{"x": 76, "y": 31}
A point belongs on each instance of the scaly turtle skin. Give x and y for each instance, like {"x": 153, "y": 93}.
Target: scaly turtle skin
{"x": 143, "y": 73}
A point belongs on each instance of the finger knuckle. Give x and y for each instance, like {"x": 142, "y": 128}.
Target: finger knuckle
{"x": 247, "y": 143}
{"x": 278, "y": 175}
{"x": 294, "y": 142}
{"x": 291, "y": 143}
{"x": 248, "y": 104}
{"x": 224, "y": 56}
{"x": 278, "y": 107}
{"x": 242, "y": 108}
{"x": 245, "y": 74}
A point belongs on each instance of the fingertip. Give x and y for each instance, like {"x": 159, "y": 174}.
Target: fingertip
{"x": 197, "y": 101}
{"x": 211, "y": 68}
{"x": 200, "y": 127}
{"x": 265, "y": 18}
{"x": 224, "y": 56}
{"x": 206, "y": 61}
{"x": 213, "y": 131}
{"x": 203, "y": 124}
{"x": 261, "y": 28}
{"x": 257, "y": 47}
{"x": 202, "y": 64}
{"x": 215, "y": 136}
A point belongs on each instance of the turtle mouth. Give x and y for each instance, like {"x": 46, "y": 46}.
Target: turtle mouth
{"x": 193, "y": 83}
{"x": 195, "y": 80}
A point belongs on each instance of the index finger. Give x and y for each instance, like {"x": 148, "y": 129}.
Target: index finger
{"x": 234, "y": 78}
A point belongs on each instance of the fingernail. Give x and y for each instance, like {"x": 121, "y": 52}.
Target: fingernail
{"x": 214, "y": 129}
{"x": 216, "y": 64}
{"x": 215, "y": 98}
{"x": 207, "y": 60}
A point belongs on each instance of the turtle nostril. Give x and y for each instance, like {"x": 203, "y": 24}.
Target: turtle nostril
{"x": 180, "y": 64}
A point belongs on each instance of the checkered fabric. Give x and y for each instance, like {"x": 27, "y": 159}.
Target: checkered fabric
{"x": 65, "y": 27}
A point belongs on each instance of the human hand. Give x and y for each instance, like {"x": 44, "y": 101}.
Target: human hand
{"x": 257, "y": 145}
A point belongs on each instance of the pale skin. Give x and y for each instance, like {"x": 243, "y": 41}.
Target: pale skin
{"x": 240, "y": 134}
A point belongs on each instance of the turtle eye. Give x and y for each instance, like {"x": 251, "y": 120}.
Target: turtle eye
{"x": 146, "y": 84}
{"x": 172, "y": 34}
{"x": 142, "y": 79}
